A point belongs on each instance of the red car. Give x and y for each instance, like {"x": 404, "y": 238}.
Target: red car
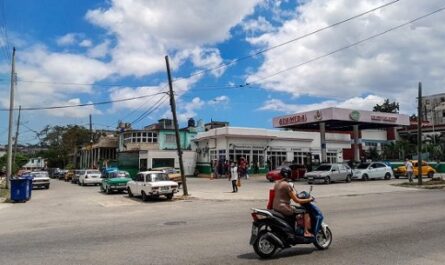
{"x": 298, "y": 172}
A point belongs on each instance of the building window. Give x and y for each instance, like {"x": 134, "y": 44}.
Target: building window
{"x": 258, "y": 157}
{"x": 235, "y": 155}
{"x": 302, "y": 158}
{"x": 170, "y": 139}
{"x": 331, "y": 157}
{"x": 276, "y": 158}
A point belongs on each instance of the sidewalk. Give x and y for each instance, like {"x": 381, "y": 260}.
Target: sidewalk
{"x": 257, "y": 188}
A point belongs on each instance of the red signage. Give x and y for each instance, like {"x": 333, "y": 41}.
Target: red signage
{"x": 292, "y": 119}
{"x": 383, "y": 118}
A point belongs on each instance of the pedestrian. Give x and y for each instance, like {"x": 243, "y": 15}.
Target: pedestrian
{"x": 227, "y": 168}
{"x": 242, "y": 168}
{"x": 409, "y": 170}
{"x": 214, "y": 173}
{"x": 234, "y": 177}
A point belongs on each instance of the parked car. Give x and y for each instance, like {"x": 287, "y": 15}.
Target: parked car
{"x": 373, "y": 170}
{"x": 328, "y": 173}
{"x": 427, "y": 170}
{"x": 90, "y": 177}
{"x": 69, "y": 175}
{"x": 173, "y": 174}
{"x": 115, "y": 180}
{"x": 298, "y": 172}
{"x": 76, "y": 176}
{"x": 53, "y": 172}
{"x": 152, "y": 184}
{"x": 40, "y": 179}
{"x": 61, "y": 175}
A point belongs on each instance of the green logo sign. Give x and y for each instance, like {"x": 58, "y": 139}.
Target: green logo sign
{"x": 355, "y": 115}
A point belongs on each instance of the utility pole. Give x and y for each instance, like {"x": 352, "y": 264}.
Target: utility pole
{"x": 91, "y": 144}
{"x": 11, "y": 116}
{"x": 419, "y": 135}
{"x": 16, "y": 136}
{"x": 175, "y": 123}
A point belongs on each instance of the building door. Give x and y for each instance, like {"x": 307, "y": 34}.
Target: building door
{"x": 163, "y": 162}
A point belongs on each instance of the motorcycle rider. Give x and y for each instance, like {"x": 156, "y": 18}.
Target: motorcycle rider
{"x": 284, "y": 192}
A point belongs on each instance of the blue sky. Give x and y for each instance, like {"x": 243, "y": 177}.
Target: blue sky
{"x": 71, "y": 52}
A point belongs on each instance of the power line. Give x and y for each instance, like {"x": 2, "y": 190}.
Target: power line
{"x": 150, "y": 110}
{"x": 223, "y": 65}
{"x": 77, "y": 84}
{"x": 89, "y": 104}
{"x": 347, "y": 46}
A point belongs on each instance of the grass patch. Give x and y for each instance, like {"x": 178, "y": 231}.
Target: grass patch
{"x": 430, "y": 184}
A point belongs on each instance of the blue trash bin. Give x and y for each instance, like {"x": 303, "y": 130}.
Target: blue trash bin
{"x": 21, "y": 189}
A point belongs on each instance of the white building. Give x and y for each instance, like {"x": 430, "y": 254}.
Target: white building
{"x": 35, "y": 164}
{"x": 434, "y": 109}
{"x": 262, "y": 145}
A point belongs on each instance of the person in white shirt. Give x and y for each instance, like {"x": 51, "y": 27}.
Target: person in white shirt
{"x": 234, "y": 176}
{"x": 409, "y": 170}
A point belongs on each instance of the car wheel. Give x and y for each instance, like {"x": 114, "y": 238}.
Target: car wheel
{"x": 47, "y": 187}
{"x": 348, "y": 178}
{"x": 327, "y": 180}
{"x": 309, "y": 182}
{"x": 431, "y": 174}
{"x": 144, "y": 196}
{"x": 130, "y": 194}
{"x": 387, "y": 176}
{"x": 169, "y": 196}
{"x": 365, "y": 177}
{"x": 107, "y": 190}
{"x": 396, "y": 176}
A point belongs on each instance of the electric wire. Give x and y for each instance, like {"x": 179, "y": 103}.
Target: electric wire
{"x": 347, "y": 46}
{"x": 223, "y": 65}
{"x": 150, "y": 110}
{"x": 87, "y": 104}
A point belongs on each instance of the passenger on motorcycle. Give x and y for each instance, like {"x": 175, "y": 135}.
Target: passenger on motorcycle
{"x": 284, "y": 192}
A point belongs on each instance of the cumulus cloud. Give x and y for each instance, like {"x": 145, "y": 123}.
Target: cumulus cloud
{"x": 101, "y": 50}
{"x": 67, "y": 39}
{"x": 147, "y": 30}
{"x": 86, "y": 43}
{"x": 219, "y": 101}
{"x": 75, "y": 112}
{"x": 359, "y": 103}
{"x": 390, "y": 65}
{"x": 188, "y": 110}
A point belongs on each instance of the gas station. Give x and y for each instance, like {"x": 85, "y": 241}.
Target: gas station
{"x": 341, "y": 120}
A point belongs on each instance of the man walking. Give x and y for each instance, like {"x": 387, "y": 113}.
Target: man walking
{"x": 409, "y": 170}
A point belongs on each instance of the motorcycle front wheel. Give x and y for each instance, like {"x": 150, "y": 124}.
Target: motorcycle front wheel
{"x": 323, "y": 242}
{"x": 264, "y": 247}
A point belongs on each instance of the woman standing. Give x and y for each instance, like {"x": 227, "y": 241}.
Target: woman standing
{"x": 234, "y": 176}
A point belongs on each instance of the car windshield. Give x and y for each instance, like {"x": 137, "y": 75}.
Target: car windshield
{"x": 122, "y": 174}
{"x": 324, "y": 168}
{"x": 93, "y": 172}
{"x": 39, "y": 174}
{"x": 363, "y": 166}
{"x": 154, "y": 177}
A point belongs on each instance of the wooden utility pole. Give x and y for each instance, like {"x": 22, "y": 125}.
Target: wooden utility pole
{"x": 419, "y": 135}
{"x": 11, "y": 117}
{"x": 175, "y": 123}
{"x": 16, "y": 140}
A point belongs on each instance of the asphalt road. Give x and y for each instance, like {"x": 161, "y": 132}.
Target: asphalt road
{"x": 69, "y": 224}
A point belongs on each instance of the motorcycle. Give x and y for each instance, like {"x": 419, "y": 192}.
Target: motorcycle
{"x": 272, "y": 231}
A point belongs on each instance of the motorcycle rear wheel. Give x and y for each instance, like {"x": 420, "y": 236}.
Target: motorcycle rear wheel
{"x": 322, "y": 242}
{"x": 264, "y": 247}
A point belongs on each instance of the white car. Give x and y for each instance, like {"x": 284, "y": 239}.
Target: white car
{"x": 90, "y": 177}
{"x": 373, "y": 170}
{"x": 152, "y": 184}
{"x": 40, "y": 179}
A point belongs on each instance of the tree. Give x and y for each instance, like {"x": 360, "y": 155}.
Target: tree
{"x": 373, "y": 154}
{"x": 62, "y": 142}
{"x": 389, "y": 107}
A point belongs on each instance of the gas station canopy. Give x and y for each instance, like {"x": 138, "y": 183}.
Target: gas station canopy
{"x": 340, "y": 119}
